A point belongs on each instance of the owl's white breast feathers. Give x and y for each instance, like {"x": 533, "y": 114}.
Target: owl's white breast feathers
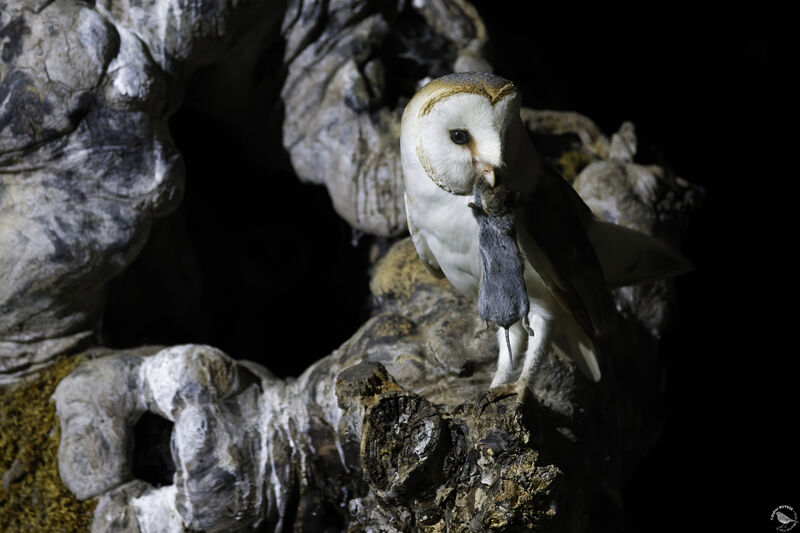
{"x": 440, "y": 174}
{"x": 443, "y": 225}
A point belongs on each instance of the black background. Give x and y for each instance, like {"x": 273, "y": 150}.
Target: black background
{"x": 710, "y": 95}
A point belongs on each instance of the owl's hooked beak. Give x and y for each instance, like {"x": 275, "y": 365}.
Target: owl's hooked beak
{"x": 487, "y": 171}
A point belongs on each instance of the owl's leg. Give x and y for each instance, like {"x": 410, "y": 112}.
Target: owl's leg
{"x": 503, "y": 384}
{"x": 505, "y": 360}
{"x": 538, "y": 344}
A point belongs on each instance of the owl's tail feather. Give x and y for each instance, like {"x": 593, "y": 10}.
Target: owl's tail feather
{"x": 629, "y": 257}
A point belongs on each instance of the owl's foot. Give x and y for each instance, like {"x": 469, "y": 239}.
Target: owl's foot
{"x": 493, "y": 396}
{"x": 526, "y": 399}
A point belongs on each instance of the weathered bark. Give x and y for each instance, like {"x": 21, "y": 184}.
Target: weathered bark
{"x": 395, "y": 430}
{"x": 86, "y": 92}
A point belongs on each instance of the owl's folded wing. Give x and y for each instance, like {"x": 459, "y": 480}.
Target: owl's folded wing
{"x": 422, "y": 247}
{"x": 554, "y": 221}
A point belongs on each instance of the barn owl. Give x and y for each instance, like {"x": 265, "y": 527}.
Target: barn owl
{"x": 462, "y": 134}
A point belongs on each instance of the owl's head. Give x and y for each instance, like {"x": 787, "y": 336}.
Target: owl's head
{"x": 458, "y": 127}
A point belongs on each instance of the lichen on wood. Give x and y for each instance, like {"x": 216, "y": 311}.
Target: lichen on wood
{"x": 441, "y": 469}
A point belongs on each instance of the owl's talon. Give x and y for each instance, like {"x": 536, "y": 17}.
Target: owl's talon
{"x": 526, "y": 399}
{"x": 493, "y": 395}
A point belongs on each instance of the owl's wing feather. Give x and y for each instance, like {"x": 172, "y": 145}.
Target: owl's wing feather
{"x": 555, "y": 220}
{"x": 421, "y": 245}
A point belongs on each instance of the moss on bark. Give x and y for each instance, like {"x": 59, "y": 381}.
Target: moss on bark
{"x": 32, "y": 496}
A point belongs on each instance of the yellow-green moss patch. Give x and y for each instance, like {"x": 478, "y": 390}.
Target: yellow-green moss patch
{"x": 32, "y": 497}
{"x": 401, "y": 272}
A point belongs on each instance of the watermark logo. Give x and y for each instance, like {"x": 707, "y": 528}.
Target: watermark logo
{"x": 784, "y": 518}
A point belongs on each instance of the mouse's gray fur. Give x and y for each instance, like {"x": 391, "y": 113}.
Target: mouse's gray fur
{"x": 502, "y": 296}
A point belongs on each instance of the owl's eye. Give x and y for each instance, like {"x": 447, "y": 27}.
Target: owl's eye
{"x": 459, "y": 136}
